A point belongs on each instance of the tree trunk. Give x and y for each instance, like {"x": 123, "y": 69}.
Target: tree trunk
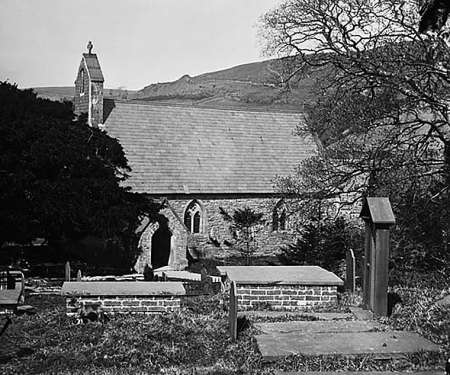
{"x": 446, "y": 214}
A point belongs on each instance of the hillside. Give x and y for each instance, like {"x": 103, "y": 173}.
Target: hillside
{"x": 258, "y": 85}
{"x": 67, "y": 93}
{"x": 251, "y": 85}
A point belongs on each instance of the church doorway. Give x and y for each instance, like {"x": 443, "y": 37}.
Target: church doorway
{"x": 161, "y": 240}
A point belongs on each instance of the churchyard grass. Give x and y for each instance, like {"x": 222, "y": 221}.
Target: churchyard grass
{"x": 196, "y": 337}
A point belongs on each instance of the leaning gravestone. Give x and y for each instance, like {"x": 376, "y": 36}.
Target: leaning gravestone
{"x": 233, "y": 311}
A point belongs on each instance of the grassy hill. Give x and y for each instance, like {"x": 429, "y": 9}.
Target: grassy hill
{"x": 251, "y": 85}
{"x": 258, "y": 85}
{"x": 68, "y": 92}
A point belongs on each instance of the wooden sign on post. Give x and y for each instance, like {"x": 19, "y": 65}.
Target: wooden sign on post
{"x": 233, "y": 311}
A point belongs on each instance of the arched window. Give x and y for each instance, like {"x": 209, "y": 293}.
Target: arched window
{"x": 279, "y": 217}
{"x": 82, "y": 81}
{"x": 193, "y": 218}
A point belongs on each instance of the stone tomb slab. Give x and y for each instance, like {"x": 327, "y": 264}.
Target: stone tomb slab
{"x": 276, "y": 345}
{"x": 306, "y": 327}
{"x": 9, "y": 297}
{"x": 291, "y": 275}
{"x": 431, "y": 372}
{"x": 122, "y": 288}
{"x": 123, "y": 296}
{"x": 301, "y": 315}
{"x": 182, "y": 276}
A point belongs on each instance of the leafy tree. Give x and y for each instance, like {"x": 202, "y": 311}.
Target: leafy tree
{"x": 60, "y": 179}
{"x": 243, "y": 226}
{"x": 381, "y": 107}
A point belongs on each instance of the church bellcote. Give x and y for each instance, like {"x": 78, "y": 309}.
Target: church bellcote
{"x": 89, "y": 88}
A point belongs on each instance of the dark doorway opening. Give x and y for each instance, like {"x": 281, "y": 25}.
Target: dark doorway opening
{"x": 161, "y": 246}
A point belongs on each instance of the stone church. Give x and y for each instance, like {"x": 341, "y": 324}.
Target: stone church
{"x": 200, "y": 161}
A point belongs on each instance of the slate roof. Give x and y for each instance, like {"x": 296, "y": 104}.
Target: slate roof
{"x": 93, "y": 67}
{"x": 191, "y": 150}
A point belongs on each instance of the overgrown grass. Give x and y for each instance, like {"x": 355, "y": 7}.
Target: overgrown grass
{"x": 196, "y": 337}
{"x": 175, "y": 343}
{"x": 419, "y": 311}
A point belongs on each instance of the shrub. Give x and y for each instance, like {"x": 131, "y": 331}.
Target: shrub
{"x": 324, "y": 244}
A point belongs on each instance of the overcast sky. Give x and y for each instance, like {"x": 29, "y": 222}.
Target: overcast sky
{"x": 138, "y": 42}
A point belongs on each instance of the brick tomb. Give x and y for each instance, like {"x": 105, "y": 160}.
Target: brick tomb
{"x": 282, "y": 287}
{"x": 123, "y": 296}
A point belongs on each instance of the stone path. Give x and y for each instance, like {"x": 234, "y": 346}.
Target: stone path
{"x": 337, "y": 337}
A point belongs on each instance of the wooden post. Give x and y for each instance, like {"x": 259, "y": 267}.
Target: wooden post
{"x": 233, "y": 309}
{"x": 379, "y": 305}
{"x": 67, "y": 272}
{"x": 350, "y": 270}
{"x": 378, "y": 216}
{"x": 79, "y": 275}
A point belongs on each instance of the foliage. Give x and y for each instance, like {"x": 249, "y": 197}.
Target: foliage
{"x": 60, "y": 179}
{"x": 243, "y": 225}
{"x": 381, "y": 112}
{"x": 324, "y": 243}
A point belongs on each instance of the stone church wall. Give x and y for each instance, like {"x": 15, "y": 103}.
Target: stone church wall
{"x": 215, "y": 239}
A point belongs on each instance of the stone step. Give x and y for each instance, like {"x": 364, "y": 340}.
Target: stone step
{"x": 310, "y": 316}
{"x": 276, "y": 345}
{"x": 306, "y": 327}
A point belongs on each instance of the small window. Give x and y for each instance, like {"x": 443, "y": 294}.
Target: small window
{"x": 82, "y": 81}
{"x": 193, "y": 217}
{"x": 279, "y": 217}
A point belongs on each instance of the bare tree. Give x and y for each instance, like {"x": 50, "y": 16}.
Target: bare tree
{"x": 383, "y": 87}
{"x": 382, "y": 100}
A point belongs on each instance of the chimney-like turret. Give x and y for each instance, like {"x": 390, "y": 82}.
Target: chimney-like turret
{"x": 89, "y": 88}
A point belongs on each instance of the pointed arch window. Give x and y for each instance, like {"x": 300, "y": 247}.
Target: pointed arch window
{"x": 82, "y": 88}
{"x": 279, "y": 217}
{"x": 193, "y": 217}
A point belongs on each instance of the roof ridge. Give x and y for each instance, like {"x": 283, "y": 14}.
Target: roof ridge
{"x": 193, "y": 106}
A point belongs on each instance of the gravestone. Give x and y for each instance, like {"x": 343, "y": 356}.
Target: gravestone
{"x": 233, "y": 311}
{"x": 67, "y": 272}
{"x": 350, "y": 271}
{"x": 378, "y": 217}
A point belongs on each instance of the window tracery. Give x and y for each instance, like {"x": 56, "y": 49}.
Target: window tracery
{"x": 193, "y": 217}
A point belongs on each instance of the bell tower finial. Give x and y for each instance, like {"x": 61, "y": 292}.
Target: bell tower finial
{"x": 89, "y": 47}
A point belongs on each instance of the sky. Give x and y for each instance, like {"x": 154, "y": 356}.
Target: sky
{"x": 138, "y": 42}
